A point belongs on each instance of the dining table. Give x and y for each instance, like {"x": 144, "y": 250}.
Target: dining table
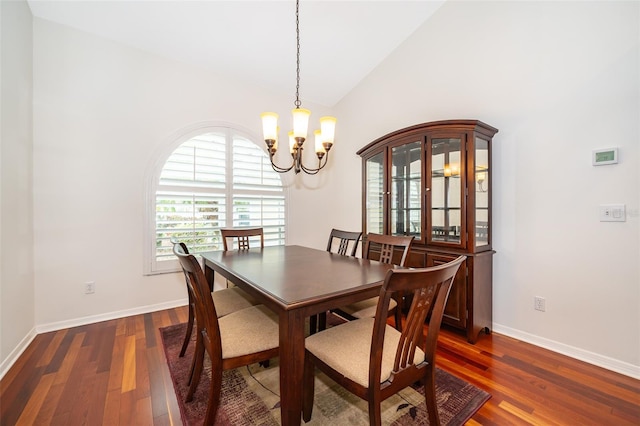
{"x": 296, "y": 282}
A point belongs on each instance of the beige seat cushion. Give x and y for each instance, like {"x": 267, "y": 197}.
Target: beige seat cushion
{"x": 346, "y": 349}
{"x": 230, "y": 300}
{"x": 249, "y": 330}
{"x": 365, "y": 308}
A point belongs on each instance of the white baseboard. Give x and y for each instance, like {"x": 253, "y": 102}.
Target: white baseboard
{"x": 592, "y": 358}
{"x": 54, "y": 326}
{"x": 15, "y": 354}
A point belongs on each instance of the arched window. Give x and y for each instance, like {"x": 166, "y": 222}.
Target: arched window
{"x": 217, "y": 178}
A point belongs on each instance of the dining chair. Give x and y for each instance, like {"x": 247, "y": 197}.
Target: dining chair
{"x": 373, "y": 360}
{"x": 386, "y": 249}
{"x": 339, "y": 242}
{"x": 227, "y": 300}
{"x": 242, "y": 237}
{"x": 344, "y": 239}
{"x": 241, "y": 338}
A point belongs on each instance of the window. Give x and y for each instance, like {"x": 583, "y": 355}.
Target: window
{"x": 214, "y": 179}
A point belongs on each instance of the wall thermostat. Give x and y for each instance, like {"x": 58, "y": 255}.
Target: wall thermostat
{"x": 605, "y": 156}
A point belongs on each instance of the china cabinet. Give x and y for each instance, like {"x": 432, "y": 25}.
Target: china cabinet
{"x": 433, "y": 181}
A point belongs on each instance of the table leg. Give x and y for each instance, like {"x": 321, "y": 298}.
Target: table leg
{"x": 291, "y": 366}
{"x": 209, "y": 275}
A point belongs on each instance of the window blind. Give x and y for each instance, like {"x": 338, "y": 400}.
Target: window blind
{"x": 216, "y": 180}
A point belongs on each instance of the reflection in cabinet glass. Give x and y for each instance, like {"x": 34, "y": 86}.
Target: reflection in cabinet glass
{"x": 374, "y": 173}
{"x": 446, "y": 189}
{"x": 406, "y": 181}
{"x": 482, "y": 193}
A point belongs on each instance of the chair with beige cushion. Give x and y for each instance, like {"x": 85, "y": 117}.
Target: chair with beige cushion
{"x": 227, "y": 300}
{"x": 240, "y": 338}
{"x": 386, "y": 249}
{"x": 373, "y": 360}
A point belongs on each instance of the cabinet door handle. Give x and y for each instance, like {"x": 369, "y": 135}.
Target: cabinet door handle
{"x": 427, "y": 189}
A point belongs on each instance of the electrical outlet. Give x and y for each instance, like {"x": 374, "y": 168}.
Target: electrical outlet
{"x": 539, "y": 303}
{"x": 89, "y": 287}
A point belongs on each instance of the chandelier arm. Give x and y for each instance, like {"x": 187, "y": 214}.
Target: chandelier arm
{"x": 312, "y": 171}
{"x": 279, "y": 169}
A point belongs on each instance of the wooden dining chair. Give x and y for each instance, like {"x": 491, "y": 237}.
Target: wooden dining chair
{"x": 339, "y": 242}
{"x": 241, "y": 338}
{"x": 242, "y": 237}
{"x": 227, "y": 300}
{"x": 386, "y": 249}
{"x": 373, "y": 360}
{"x": 344, "y": 239}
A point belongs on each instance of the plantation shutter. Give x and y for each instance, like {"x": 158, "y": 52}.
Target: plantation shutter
{"x": 212, "y": 181}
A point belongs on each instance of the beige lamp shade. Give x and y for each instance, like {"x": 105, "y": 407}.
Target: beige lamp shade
{"x": 269, "y": 125}
{"x": 300, "y": 122}
{"x": 328, "y": 129}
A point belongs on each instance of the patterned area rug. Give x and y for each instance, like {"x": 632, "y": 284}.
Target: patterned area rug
{"x": 250, "y": 395}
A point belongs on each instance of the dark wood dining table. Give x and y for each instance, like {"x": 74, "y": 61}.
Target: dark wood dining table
{"x": 296, "y": 282}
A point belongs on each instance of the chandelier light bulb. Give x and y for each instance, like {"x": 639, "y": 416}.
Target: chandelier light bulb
{"x": 318, "y": 141}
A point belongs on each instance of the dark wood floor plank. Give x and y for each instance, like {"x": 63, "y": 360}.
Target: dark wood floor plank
{"x": 63, "y": 348}
{"x": 142, "y": 370}
{"x": 22, "y": 378}
{"x": 112, "y": 408}
{"x": 149, "y": 331}
{"x": 98, "y": 399}
{"x": 105, "y": 349}
{"x": 35, "y": 402}
{"x": 117, "y": 363}
{"x": 52, "y": 348}
{"x": 75, "y": 366}
{"x": 50, "y": 403}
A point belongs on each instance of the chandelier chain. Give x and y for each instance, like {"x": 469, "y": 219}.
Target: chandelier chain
{"x": 297, "y": 102}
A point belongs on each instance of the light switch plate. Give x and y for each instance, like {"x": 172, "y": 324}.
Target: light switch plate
{"x": 613, "y": 213}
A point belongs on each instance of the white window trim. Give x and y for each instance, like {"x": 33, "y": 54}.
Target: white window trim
{"x": 152, "y": 179}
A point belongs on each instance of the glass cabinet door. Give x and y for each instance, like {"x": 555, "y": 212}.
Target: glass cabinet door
{"x": 406, "y": 196}
{"x": 374, "y": 193}
{"x": 482, "y": 195}
{"x": 445, "y": 190}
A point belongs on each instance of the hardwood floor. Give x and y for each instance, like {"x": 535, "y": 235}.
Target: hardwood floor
{"x": 114, "y": 372}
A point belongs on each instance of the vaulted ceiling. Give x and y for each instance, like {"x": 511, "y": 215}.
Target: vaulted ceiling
{"x": 341, "y": 41}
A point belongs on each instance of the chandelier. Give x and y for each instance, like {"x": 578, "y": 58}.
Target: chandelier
{"x": 323, "y": 137}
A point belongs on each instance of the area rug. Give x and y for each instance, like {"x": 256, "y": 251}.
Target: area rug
{"x": 250, "y": 395}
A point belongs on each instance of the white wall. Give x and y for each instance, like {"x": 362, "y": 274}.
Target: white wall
{"x": 102, "y": 112}
{"x": 17, "y": 320}
{"x": 558, "y": 79}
